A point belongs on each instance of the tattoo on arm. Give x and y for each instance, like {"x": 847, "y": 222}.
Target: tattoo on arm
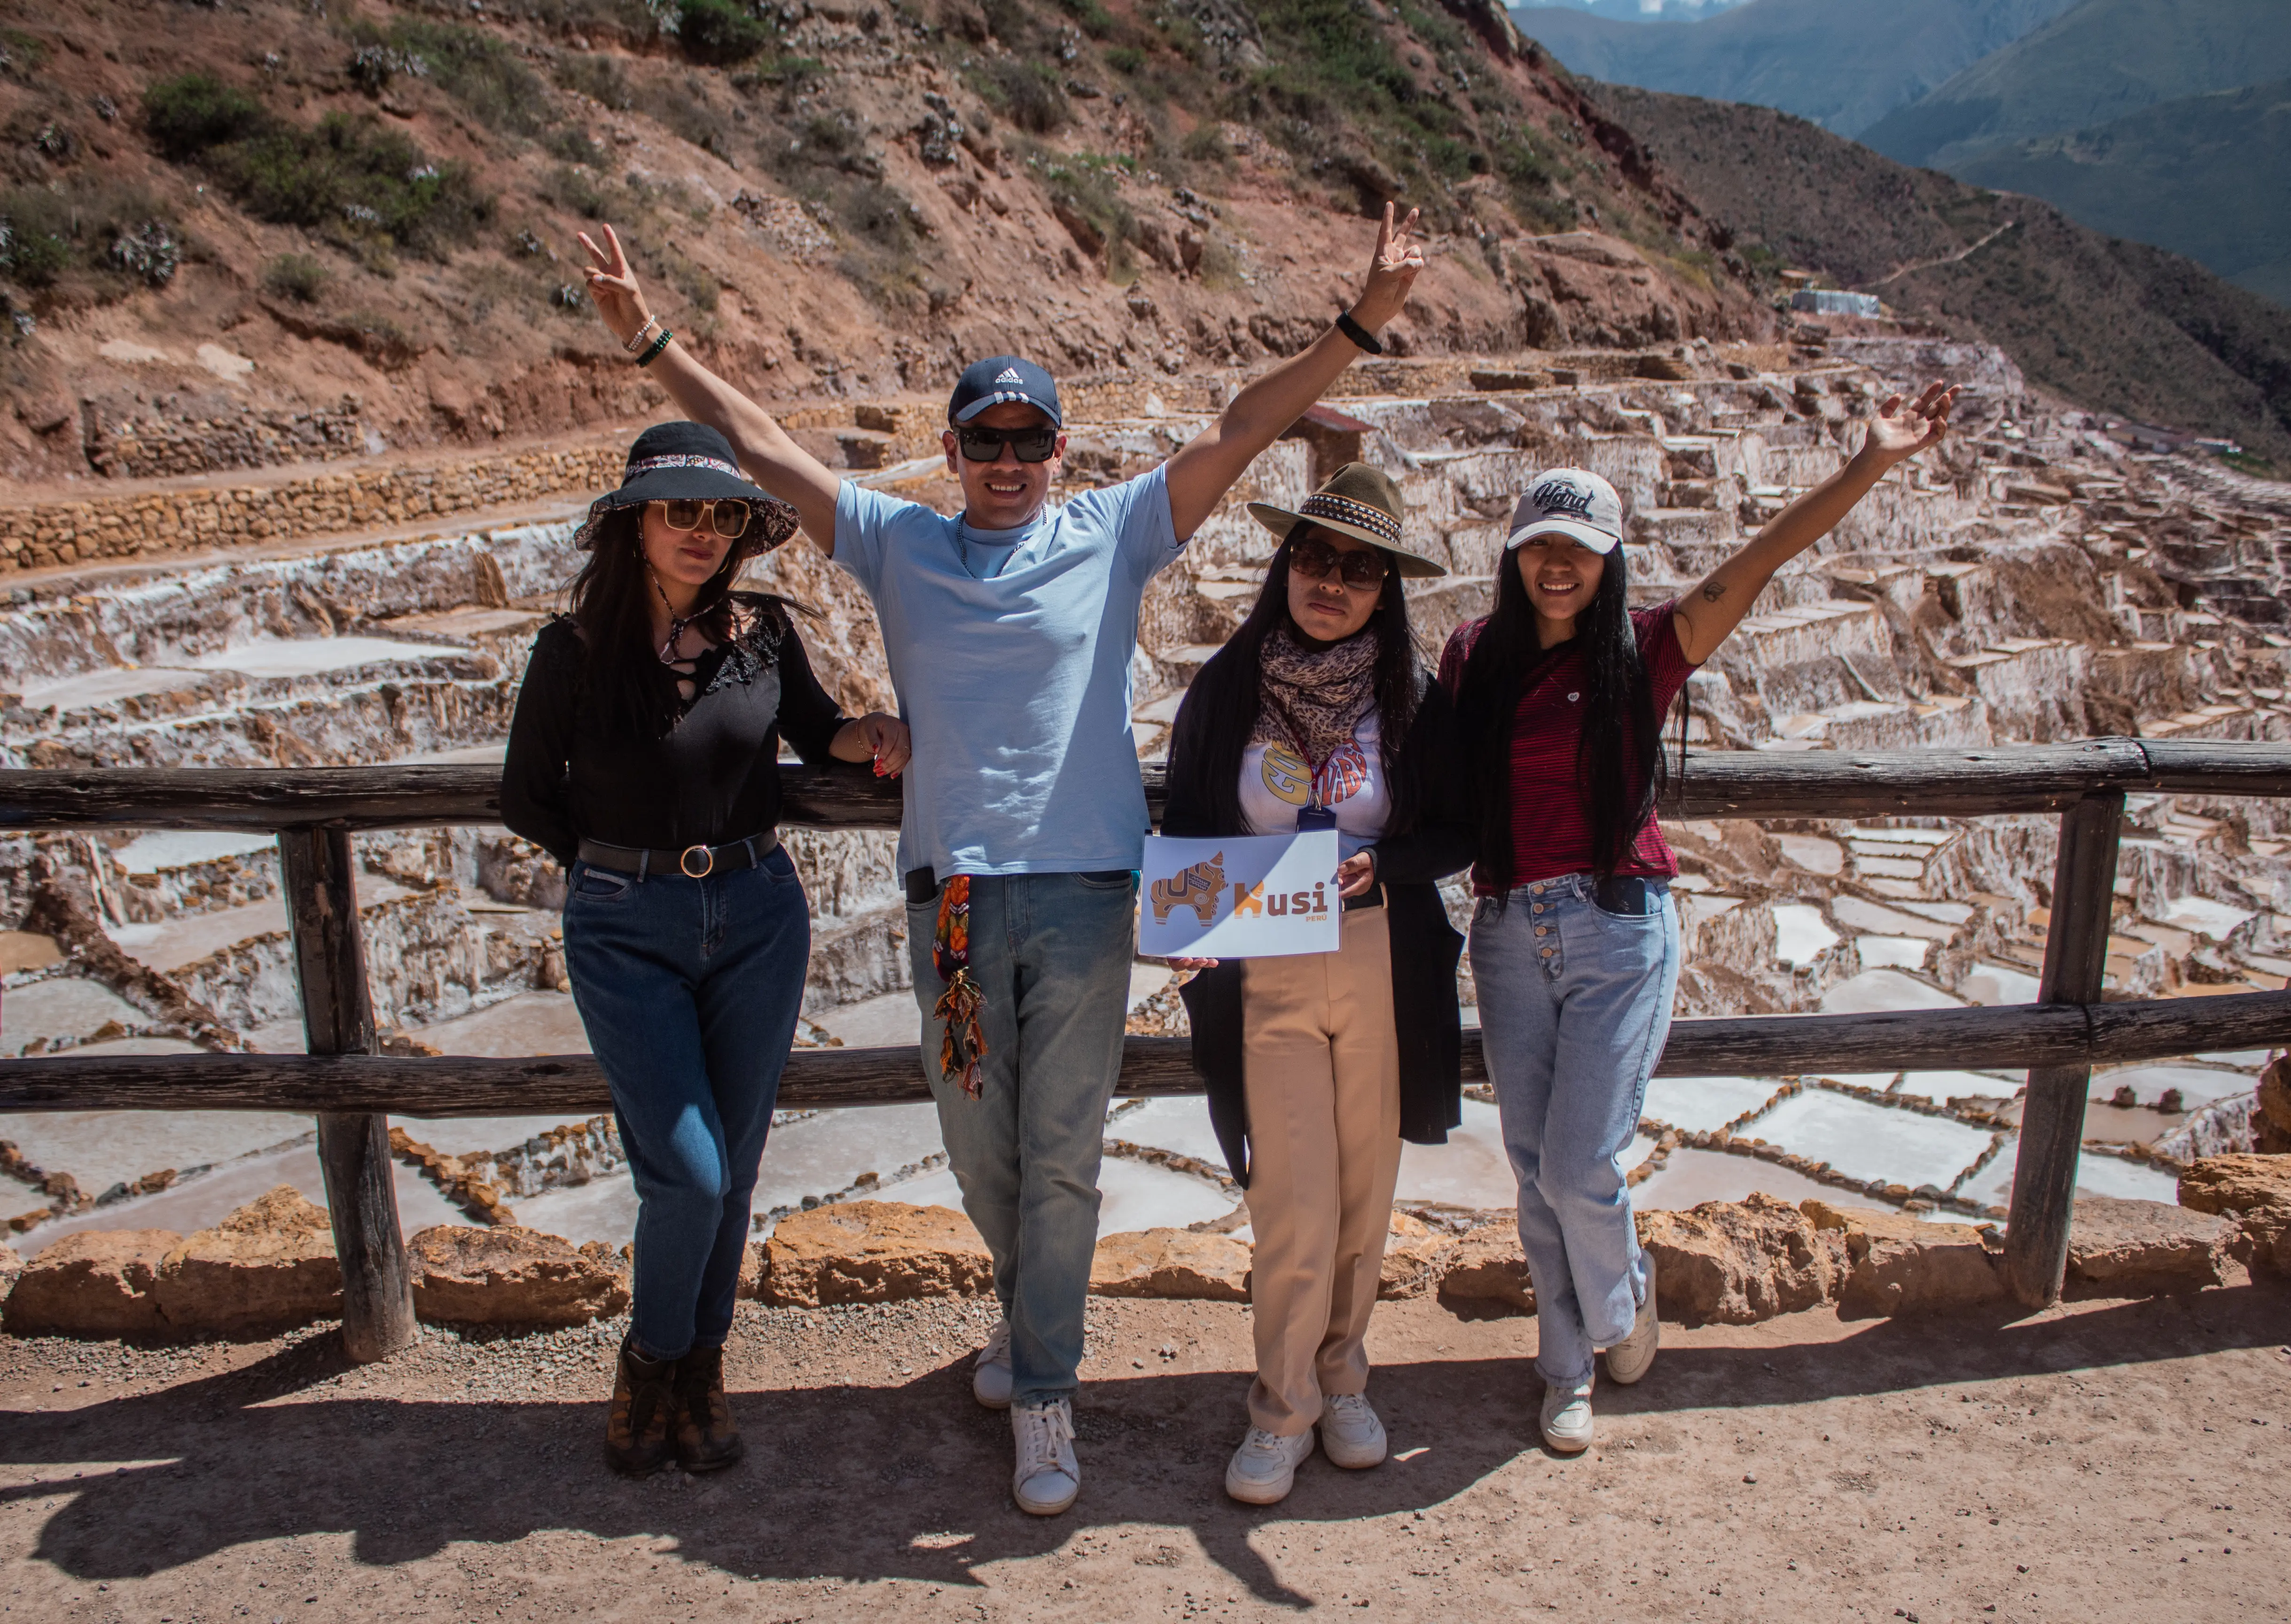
{"x": 1713, "y": 590}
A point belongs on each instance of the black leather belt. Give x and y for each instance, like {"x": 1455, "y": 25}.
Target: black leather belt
{"x": 693, "y": 861}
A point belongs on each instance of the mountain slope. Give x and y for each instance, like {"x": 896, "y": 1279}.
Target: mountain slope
{"x": 2102, "y": 322}
{"x": 2091, "y": 64}
{"x": 268, "y": 231}
{"x": 2207, "y": 176}
{"x": 1842, "y": 63}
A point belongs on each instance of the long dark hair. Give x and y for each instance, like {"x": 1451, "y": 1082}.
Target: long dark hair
{"x": 611, "y": 603}
{"x": 1399, "y": 687}
{"x": 1619, "y": 763}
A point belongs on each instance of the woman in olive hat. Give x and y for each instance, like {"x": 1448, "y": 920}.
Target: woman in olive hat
{"x": 643, "y": 757}
{"x": 1317, "y": 714}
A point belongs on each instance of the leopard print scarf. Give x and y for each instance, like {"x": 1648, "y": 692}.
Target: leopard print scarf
{"x": 1313, "y": 698}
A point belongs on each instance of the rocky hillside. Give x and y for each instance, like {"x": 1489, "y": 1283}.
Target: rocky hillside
{"x": 261, "y": 232}
{"x": 2106, "y": 323}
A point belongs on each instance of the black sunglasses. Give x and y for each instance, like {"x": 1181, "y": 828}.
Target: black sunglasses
{"x": 986, "y": 445}
{"x": 1312, "y": 559}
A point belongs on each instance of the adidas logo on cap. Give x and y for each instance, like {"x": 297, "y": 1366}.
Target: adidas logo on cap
{"x": 1008, "y": 374}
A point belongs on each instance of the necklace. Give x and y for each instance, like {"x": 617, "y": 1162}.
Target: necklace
{"x": 677, "y": 624}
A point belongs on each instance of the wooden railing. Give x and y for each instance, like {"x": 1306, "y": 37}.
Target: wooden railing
{"x": 352, "y": 1090}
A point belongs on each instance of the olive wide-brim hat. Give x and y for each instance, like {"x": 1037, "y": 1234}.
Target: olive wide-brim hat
{"x": 1357, "y": 501}
{"x": 684, "y": 461}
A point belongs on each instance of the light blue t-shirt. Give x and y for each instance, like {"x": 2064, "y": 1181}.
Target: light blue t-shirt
{"x": 1011, "y": 651}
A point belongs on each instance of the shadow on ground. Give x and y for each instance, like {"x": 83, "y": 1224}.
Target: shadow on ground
{"x": 909, "y": 1481}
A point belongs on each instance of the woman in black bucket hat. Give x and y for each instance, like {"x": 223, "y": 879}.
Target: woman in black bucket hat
{"x": 643, "y": 757}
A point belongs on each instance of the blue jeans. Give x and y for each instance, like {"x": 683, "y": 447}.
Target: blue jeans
{"x": 689, "y": 991}
{"x": 1574, "y": 1007}
{"x": 1052, "y": 955}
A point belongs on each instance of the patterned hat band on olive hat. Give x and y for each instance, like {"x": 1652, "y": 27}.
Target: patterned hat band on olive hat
{"x": 1361, "y": 502}
{"x": 1328, "y": 504}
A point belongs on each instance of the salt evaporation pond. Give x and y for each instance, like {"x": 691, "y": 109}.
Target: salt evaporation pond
{"x": 1801, "y": 935}
{"x": 2199, "y": 1085}
{"x": 1863, "y": 1140}
{"x": 1990, "y": 983}
{"x": 60, "y": 1008}
{"x": 1689, "y": 1177}
{"x": 203, "y": 1201}
{"x": 1906, "y": 952}
{"x": 1704, "y": 1105}
{"x": 314, "y": 657}
{"x": 1875, "y": 991}
{"x": 1472, "y": 1169}
{"x": 159, "y": 849}
{"x": 2097, "y": 1175}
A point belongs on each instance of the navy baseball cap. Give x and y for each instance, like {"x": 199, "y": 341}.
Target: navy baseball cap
{"x": 999, "y": 380}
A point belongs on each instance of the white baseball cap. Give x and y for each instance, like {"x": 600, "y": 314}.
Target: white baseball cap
{"x": 1570, "y": 502}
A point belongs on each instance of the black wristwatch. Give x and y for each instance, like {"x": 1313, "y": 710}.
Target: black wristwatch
{"x": 1359, "y": 334}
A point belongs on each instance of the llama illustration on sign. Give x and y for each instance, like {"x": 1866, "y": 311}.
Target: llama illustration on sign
{"x": 1195, "y": 887}
{"x": 1248, "y": 896}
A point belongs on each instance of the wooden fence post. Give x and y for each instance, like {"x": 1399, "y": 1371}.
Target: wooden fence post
{"x": 319, "y": 879}
{"x": 2052, "y": 1112}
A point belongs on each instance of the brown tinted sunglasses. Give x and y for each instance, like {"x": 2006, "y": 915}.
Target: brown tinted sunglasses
{"x": 1312, "y": 559}
{"x": 727, "y": 517}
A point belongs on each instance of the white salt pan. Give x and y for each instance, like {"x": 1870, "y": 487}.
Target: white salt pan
{"x": 1692, "y": 1177}
{"x": 309, "y": 656}
{"x": 1906, "y": 952}
{"x": 1702, "y": 1105}
{"x": 2205, "y": 916}
{"x": 1986, "y": 983}
{"x": 1865, "y": 1141}
{"x": 164, "y": 848}
{"x": 1873, "y": 991}
{"x": 1800, "y": 933}
{"x": 63, "y": 1007}
{"x": 1812, "y": 853}
{"x": 1471, "y": 1170}
{"x": 2199, "y": 1085}
{"x": 102, "y": 1148}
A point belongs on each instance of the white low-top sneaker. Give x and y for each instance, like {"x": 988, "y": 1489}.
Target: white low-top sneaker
{"x": 990, "y": 1376}
{"x": 1047, "y": 1476}
{"x": 1264, "y": 1468}
{"x": 1567, "y": 1416}
{"x": 1629, "y": 1358}
{"x": 1351, "y": 1436}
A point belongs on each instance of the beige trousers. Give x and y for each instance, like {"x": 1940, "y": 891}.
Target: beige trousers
{"x": 1323, "y": 1068}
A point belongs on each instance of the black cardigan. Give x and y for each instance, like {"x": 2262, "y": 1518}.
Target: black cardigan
{"x": 1425, "y": 946}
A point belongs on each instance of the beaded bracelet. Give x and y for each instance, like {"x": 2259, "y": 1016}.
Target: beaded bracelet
{"x": 636, "y": 338}
{"x": 658, "y": 344}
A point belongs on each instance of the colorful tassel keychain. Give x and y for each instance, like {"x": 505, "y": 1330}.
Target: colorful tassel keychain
{"x": 963, "y": 1042}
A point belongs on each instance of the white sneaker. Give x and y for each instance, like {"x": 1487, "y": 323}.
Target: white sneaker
{"x": 1567, "y": 1416}
{"x": 1351, "y": 1436}
{"x": 989, "y": 1376}
{"x": 1629, "y": 1358}
{"x": 1047, "y": 1476}
{"x": 1264, "y": 1468}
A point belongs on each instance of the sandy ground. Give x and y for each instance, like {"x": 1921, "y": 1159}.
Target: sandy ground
{"x": 2112, "y": 1460}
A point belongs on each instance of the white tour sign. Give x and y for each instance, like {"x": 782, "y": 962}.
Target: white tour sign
{"x": 1249, "y": 896}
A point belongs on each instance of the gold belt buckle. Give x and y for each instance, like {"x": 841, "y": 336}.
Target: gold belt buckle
{"x": 707, "y": 863}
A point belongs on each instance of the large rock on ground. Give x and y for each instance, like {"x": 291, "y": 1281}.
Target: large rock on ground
{"x": 874, "y": 1251}
{"x": 1174, "y": 1263}
{"x": 513, "y": 1277}
{"x": 2257, "y": 1191}
{"x": 1904, "y": 1265}
{"x": 2142, "y": 1247}
{"x": 1735, "y": 1263}
{"x": 269, "y": 1266}
{"x": 1489, "y": 1271}
{"x": 11, "y": 1264}
{"x": 1416, "y": 1257}
{"x": 96, "y": 1283}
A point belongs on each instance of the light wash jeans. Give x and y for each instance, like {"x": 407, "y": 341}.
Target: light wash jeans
{"x": 688, "y": 990}
{"x": 1052, "y": 955}
{"x": 1574, "y": 1007}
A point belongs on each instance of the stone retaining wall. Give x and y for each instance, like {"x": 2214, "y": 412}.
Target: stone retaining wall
{"x": 159, "y": 522}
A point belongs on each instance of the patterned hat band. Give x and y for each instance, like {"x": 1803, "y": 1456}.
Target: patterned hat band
{"x": 646, "y": 465}
{"x": 1322, "y": 505}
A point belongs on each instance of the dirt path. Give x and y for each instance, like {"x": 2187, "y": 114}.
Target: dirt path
{"x": 2112, "y": 1461}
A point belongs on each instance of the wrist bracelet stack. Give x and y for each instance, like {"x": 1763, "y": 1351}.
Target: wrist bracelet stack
{"x": 1359, "y": 334}
{"x": 658, "y": 344}
{"x": 636, "y": 338}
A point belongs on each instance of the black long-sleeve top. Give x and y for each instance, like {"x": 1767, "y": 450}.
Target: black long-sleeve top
{"x": 714, "y": 777}
{"x": 1409, "y": 864}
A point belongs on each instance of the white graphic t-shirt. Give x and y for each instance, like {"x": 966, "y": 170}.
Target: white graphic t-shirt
{"x": 1276, "y": 782}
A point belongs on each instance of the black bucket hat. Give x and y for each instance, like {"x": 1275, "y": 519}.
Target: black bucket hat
{"x": 691, "y": 461}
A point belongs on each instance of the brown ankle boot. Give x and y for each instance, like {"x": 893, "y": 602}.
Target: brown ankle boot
{"x": 706, "y": 1436}
{"x": 639, "y": 1436}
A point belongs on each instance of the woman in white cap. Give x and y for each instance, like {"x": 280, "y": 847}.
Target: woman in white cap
{"x": 1574, "y": 940}
{"x": 1317, "y": 714}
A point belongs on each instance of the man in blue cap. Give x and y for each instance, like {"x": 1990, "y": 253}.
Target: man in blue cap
{"x": 1011, "y": 629}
